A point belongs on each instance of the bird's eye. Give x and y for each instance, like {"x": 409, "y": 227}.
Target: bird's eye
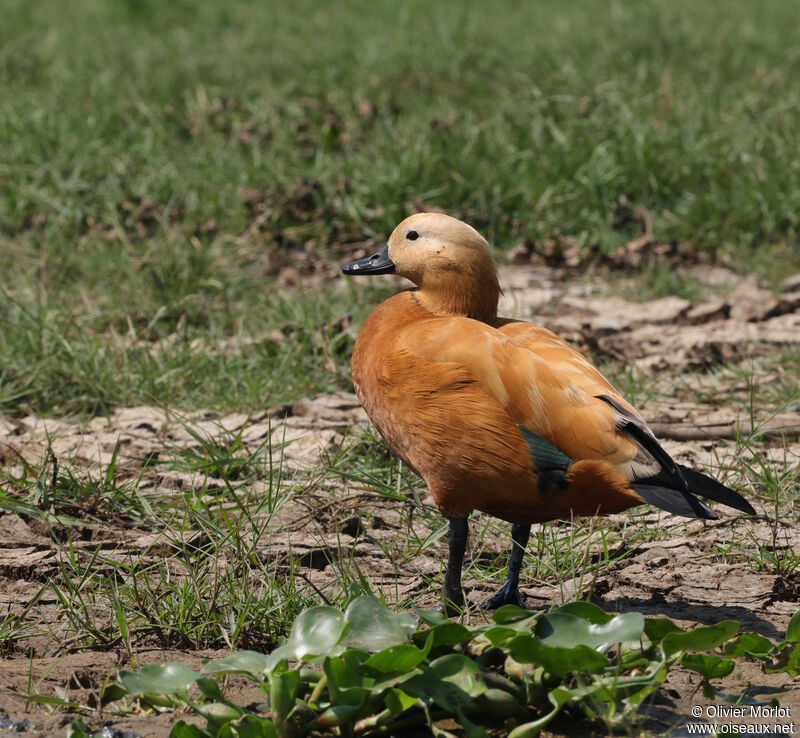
{"x": 412, "y": 235}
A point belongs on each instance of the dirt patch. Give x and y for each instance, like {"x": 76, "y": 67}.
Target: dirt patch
{"x": 665, "y": 334}
{"x": 339, "y": 520}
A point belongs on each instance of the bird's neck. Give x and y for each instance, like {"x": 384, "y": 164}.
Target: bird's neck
{"x": 462, "y": 297}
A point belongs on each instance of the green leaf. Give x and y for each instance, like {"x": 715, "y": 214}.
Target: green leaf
{"x": 346, "y": 682}
{"x": 182, "y": 729}
{"x": 511, "y": 614}
{"x": 586, "y": 610}
{"x": 219, "y": 712}
{"x": 793, "y": 629}
{"x": 430, "y": 689}
{"x": 557, "y": 660}
{"x": 399, "y": 701}
{"x": 160, "y": 679}
{"x": 251, "y": 663}
{"x": 445, "y": 634}
{"x": 396, "y": 658}
{"x": 558, "y": 698}
{"x": 111, "y": 692}
{"x": 656, "y": 629}
{"x": 749, "y": 644}
{"x": 461, "y": 671}
{"x": 502, "y": 704}
{"x": 702, "y": 638}
{"x": 451, "y": 682}
{"x": 209, "y": 688}
{"x": 374, "y": 627}
{"x": 708, "y": 666}
{"x": 500, "y": 634}
{"x": 787, "y": 661}
{"x": 431, "y": 617}
{"x": 337, "y": 715}
{"x": 78, "y": 729}
{"x": 315, "y": 632}
{"x": 250, "y": 726}
{"x": 564, "y": 630}
{"x": 283, "y": 688}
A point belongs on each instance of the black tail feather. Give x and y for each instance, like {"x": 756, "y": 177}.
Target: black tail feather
{"x": 711, "y": 489}
{"x": 673, "y": 500}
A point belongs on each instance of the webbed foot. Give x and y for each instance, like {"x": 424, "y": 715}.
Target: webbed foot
{"x": 508, "y": 594}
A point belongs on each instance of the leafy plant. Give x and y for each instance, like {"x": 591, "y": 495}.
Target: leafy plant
{"x": 367, "y": 669}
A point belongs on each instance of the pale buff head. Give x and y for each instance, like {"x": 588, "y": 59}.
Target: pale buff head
{"x": 450, "y": 263}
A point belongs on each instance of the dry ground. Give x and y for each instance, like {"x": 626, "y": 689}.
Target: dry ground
{"x": 708, "y": 375}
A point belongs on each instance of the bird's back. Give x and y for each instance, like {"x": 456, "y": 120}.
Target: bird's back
{"x": 438, "y": 392}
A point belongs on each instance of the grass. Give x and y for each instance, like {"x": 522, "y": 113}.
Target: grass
{"x": 154, "y": 185}
{"x": 211, "y": 566}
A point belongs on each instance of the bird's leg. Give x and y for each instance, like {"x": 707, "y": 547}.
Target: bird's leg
{"x": 453, "y": 594}
{"x": 509, "y": 592}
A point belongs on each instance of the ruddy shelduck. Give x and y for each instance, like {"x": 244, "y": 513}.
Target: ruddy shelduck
{"x": 500, "y": 415}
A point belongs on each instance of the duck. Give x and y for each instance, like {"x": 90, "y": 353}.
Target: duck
{"x": 501, "y": 415}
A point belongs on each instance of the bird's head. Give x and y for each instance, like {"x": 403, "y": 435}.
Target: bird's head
{"x": 447, "y": 259}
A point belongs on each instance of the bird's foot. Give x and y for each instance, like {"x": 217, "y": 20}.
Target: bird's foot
{"x": 507, "y": 595}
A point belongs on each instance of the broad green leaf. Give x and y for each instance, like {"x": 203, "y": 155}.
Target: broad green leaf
{"x": 337, "y": 715}
{"x": 788, "y": 660}
{"x": 159, "y": 679}
{"x": 500, "y": 634}
{"x": 242, "y": 662}
{"x": 451, "y": 682}
{"x": 219, "y": 712}
{"x": 373, "y": 627}
{"x": 315, "y": 632}
{"x": 471, "y": 730}
{"x": 431, "y": 689}
{"x": 182, "y": 729}
{"x": 561, "y": 629}
{"x": 656, "y": 629}
{"x": 431, "y": 617}
{"x": 445, "y": 634}
{"x": 586, "y": 610}
{"x": 399, "y": 701}
{"x": 209, "y": 688}
{"x": 793, "y": 629}
{"x": 749, "y": 644}
{"x": 502, "y": 704}
{"x": 557, "y": 660}
{"x": 638, "y": 696}
{"x": 250, "y": 726}
{"x": 283, "y": 688}
{"x": 78, "y": 729}
{"x": 558, "y": 698}
{"x": 511, "y": 614}
{"x": 346, "y": 682}
{"x": 396, "y": 658}
{"x": 707, "y": 665}
{"x": 702, "y": 638}
{"x": 111, "y": 692}
{"x": 461, "y": 671}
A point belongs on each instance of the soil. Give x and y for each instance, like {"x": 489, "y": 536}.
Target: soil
{"x": 700, "y": 362}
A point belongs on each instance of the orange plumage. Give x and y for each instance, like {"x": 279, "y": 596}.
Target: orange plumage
{"x": 471, "y": 401}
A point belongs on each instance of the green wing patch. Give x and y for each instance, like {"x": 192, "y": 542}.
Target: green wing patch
{"x": 546, "y": 457}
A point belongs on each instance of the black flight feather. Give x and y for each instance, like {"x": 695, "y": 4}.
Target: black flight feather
{"x": 674, "y": 501}
{"x": 671, "y": 488}
{"x": 710, "y": 488}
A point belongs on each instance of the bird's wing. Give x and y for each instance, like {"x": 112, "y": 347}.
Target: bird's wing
{"x": 547, "y": 387}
